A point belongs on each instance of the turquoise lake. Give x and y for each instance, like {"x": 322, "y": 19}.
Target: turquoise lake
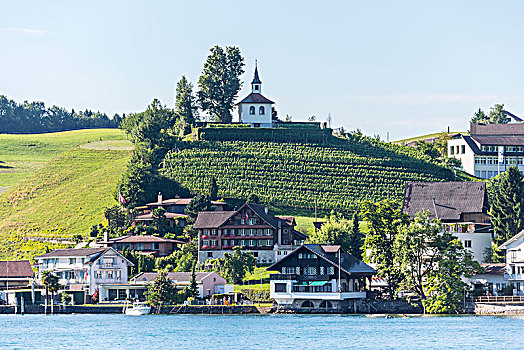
{"x": 259, "y": 332}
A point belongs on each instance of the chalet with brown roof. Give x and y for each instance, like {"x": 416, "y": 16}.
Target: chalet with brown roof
{"x": 15, "y": 274}
{"x": 462, "y": 207}
{"x": 150, "y": 245}
{"x": 252, "y": 227}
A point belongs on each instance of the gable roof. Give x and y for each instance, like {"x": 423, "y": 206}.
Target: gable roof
{"x": 451, "y": 199}
{"x": 179, "y": 201}
{"x": 175, "y": 276}
{"x": 210, "y": 219}
{"x": 255, "y": 98}
{"x": 72, "y": 252}
{"x": 348, "y": 263}
{"x": 17, "y": 269}
{"x": 511, "y": 240}
{"x": 143, "y": 239}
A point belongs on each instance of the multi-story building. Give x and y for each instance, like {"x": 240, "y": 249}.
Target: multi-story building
{"x": 489, "y": 149}
{"x": 252, "y": 227}
{"x": 84, "y": 269}
{"x": 515, "y": 262}
{"x": 462, "y": 207}
{"x": 321, "y": 277}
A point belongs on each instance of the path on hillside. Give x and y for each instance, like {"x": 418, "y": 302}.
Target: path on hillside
{"x": 109, "y": 145}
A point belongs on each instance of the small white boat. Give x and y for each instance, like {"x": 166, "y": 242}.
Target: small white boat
{"x": 137, "y": 309}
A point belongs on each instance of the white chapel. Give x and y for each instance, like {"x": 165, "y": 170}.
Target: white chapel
{"x": 255, "y": 109}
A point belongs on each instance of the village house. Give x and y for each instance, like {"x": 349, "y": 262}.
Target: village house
{"x": 492, "y": 280}
{"x": 462, "y": 207}
{"x": 252, "y": 227}
{"x": 515, "y": 262}
{"x": 15, "y": 274}
{"x": 174, "y": 210}
{"x": 490, "y": 149}
{"x": 150, "y": 245}
{"x": 316, "y": 276}
{"x": 84, "y": 269}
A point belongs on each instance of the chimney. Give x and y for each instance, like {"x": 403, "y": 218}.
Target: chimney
{"x": 106, "y": 236}
{"x": 159, "y": 197}
{"x": 266, "y": 210}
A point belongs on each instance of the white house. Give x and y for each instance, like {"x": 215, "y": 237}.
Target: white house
{"x": 489, "y": 149}
{"x": 515, "y": 262}
{"x": 84, "y": 269}
{"x": 255, "y": 109}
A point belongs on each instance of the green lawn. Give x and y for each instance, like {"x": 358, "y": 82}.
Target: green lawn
{"x": 23, "y": 154}
{"x": 64, "y": 197}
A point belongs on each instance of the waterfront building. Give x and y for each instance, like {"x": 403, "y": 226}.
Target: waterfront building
{"x": 255, "y": 109}
{"x": 493, "y": 279}
{"x": 15, "y": 274}
{"x": 515, "y": 262}
{"x": 84, "y": 269}
{"x": 489, "y": 149}
{"x": 150, "y": 245}
{"x": 462, "y": 207}
{"x": 316, "y": 276}
{"x": 252, "y": 227}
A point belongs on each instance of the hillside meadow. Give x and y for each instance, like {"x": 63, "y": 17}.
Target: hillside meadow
{"x": 23, "y": 154}
{"x": 64, "y": 197}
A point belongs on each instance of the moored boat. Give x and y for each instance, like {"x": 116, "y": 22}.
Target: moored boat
{"x": 137, "y": 309}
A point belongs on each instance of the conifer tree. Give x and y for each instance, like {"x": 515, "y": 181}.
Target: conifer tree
{"x": 213, "y": 189}
{"x": 185, "y": 105}
{"x": 507, "y": 207}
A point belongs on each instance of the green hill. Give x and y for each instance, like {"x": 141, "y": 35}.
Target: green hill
{"x": 291, "y": 176}
{"x": 427, "y": 136}
{"x": 23, "y": 154}
{"x": 64, "y": 194}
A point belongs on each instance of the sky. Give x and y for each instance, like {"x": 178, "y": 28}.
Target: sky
{"x": 401, "y": 68}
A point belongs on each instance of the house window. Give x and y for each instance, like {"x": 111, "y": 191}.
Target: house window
{"x": 205, "y": 242}
{"x": 118, "y": 274}
{"x": 452, "y": 149}
{"x": 467, "y": 243}
{"x": 269, "y": 243}
{"x": 251, "y": 242}
{"x": 268, "y": 232}
{"x": 214, "y": 242}
{"x": 156, "y": 246}
{"x": 322, "y": 270}
{"x": 72, "y": 261}
{"x": 139, "y": 246}
{"x": 312, "y": 271}
{"x": 463, "y": 149}
{"x": 255, "y": 254}
{"x": 331, "y": 270}
{"x": 243, "y": 242}
{"x": 261, "y": 110}
{"x": 251, "y": 232}
{"x": 213, "y": 232}
{"x": 109, "y": 274}
{"x": 280, "y": 288}
{"x": 252, "y": 110}
{"x": 69, "y": 275}
{"x": 297, "y": 270}
{"x": 209, "y": 254}
{"x": 98, "y": 274}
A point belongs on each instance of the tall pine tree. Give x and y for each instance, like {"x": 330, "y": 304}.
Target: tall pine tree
{"x": 185, "y": 106}
{"x": 507, "y": 207}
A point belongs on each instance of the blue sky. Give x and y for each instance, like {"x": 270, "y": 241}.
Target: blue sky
{"x": 403, "y": 67}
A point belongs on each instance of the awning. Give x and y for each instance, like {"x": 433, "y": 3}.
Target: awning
{"x": 318, "y": 283}
{"x": 303, "y": 283}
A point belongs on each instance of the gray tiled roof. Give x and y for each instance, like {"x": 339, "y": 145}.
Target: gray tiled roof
{"x": 451, "y": 199}
{"x": 72, "y": 252}
{"x": 212, "y": 219}
{"x": 255, "y": 98}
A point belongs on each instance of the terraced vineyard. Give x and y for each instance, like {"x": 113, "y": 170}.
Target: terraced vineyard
{"x": 293, "y": 175}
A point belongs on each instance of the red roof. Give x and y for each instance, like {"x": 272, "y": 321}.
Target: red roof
{"x": 18, "y": 269}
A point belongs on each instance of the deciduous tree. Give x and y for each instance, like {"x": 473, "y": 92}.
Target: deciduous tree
{"x": 220, "y": 82}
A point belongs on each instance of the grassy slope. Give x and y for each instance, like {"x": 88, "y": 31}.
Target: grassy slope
{"x": 65, "y": 197}
{"x": 23, "y": 154}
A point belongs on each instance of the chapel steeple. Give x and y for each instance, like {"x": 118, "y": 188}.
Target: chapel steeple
{"x": 256, "y": 84}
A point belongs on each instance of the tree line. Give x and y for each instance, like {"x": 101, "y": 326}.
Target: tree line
{"x": 35, "y": 117}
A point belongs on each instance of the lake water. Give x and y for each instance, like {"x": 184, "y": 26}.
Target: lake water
{"x": 258, "y": 332}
